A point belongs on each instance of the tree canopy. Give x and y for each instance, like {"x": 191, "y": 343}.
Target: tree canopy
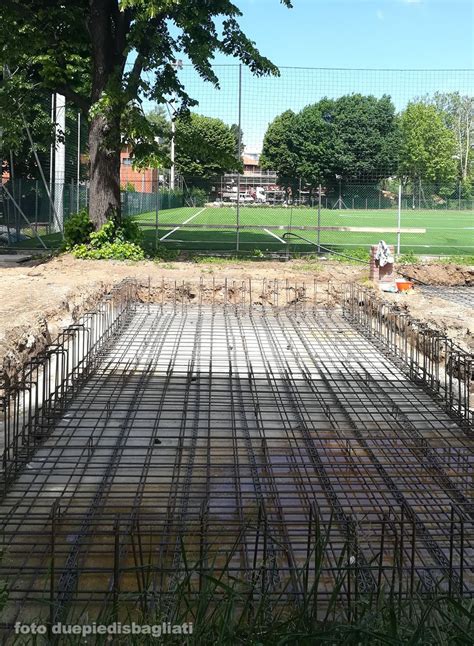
{"x": 205, "y": 147}
{"x": 353, "y": 137}
{"x": 458, "y": 114}
{"x": 82, "y": 50}
{"x": 278, "y": 153}
{"x": 428, "y": 147}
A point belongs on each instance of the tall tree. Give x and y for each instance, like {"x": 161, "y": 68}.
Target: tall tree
{"x": 428, "y": 147}
{"x": 279, "y": 152}
{"x": 365, "y": 136}
{"x": 205, "y": 147}
{"x": 353, "y": 137}
{"x": 313, "y": 139}
{"x": 150, "y": 142}
{"x": 81, "y": 50}
{"x": 458, "y": 114}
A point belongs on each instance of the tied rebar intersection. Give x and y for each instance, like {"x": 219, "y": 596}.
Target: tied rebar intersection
{"x": 278, "y": 444}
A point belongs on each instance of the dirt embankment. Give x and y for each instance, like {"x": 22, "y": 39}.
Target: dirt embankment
{"x": 453, "y": 319}
{"x": 39, "y": 299}
{"x": 440, "y": 274}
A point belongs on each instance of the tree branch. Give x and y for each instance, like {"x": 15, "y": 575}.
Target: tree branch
{"x": 143, "y": 51}
{"x": 135, "y": 74}
{"x": 124, "y": 20}
{"x": 82, "y": 103}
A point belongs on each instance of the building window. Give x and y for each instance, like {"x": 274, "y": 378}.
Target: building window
{"x": 127, "y": 161}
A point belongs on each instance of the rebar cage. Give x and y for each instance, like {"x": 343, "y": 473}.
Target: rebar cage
{"x": 251, "y": 431}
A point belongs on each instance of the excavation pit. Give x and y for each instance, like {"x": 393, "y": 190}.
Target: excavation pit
{"x": 240, "y": 439}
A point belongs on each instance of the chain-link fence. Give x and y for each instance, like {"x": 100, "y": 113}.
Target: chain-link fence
{"x": 216, "y": 218}
{"x": 318, "y": 158}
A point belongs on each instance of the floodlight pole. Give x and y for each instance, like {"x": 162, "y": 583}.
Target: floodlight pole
{"x": 239, "y": 144}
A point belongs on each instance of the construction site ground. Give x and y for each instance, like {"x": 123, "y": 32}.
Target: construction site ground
{"x": 39, "y": 297}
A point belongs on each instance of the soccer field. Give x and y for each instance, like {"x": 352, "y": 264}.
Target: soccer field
{"x": 274, "y": 228}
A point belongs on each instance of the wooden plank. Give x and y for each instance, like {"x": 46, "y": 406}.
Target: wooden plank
{"x": 280, "y": 227}
{"x": 376, "y": 230}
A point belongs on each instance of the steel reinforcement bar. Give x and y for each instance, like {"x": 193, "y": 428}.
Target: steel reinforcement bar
{"x": 431, "y": 359}
{"x": 32, "y": 400}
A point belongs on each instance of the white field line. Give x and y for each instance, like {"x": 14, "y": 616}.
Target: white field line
{"x": 185, "y": 222}
{"x": 275, "y": 236}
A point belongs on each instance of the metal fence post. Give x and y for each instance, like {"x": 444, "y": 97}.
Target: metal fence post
{"x": 399, "y": 217}
{"x": 157, "y": 207}
{"x": 36, "y": 206}
{"x": 78, "y": 173}
{"x": 319, "y": 220}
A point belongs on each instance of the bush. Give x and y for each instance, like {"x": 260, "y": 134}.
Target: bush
{"x": 128, "y": 188}
{"x": 166, "y": 254}
{"x": 408, "y": 258}
{"x": 77, "y": 229}
{"x": 196, "y": 197}
{"x": 116, "y": 250}
{"x": 131, "y": 231}
{"x": 351, "y": 255}
{"x": 114, "y": 241}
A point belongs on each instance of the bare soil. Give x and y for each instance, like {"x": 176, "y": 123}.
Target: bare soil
{"x": 440, "y": 274}
{"x": 455, "y": 320}
{"x": 40, "y": 298}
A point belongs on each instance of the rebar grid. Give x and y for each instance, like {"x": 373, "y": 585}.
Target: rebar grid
{"x": 461, "y": 295}
{"x": 258, "y": 441}
{"x": 427, "y": 355}
{"x": 32, "y": 398}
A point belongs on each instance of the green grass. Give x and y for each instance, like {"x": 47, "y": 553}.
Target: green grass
{"x": 231, "y": 610}
{"x": 447, "y": 232}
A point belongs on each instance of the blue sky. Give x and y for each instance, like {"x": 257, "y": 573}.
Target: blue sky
{"x": 363, "y": 33}
{"x": 353, "y": 35}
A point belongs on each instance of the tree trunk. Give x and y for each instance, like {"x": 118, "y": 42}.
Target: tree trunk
{"x": 104, "y": 150}
{"x": 104, "y": 129}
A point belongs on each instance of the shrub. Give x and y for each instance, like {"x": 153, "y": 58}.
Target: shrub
{"x": 131, "y": 230}
{"x": 128, "y": 188}
{"x": 104, "y": 235}
{"x": 166, "y": 254}
{"x": 196, "y": 197}
{"x": 77, "y": 229}
{"x": 351, "y": 255}
{"x": 408, "y": 258}
{"x": 116, "y": 250}
{"x": 114, "y": 241}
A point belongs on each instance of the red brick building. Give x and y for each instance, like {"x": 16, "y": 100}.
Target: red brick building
{"x": 144, "y": 181}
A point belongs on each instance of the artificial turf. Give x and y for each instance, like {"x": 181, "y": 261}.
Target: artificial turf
{"x": 447, "y": 232}
{"x": 212, "y": 229}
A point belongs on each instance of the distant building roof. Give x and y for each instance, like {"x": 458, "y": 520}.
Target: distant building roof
{"x": 251, "y": 159}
